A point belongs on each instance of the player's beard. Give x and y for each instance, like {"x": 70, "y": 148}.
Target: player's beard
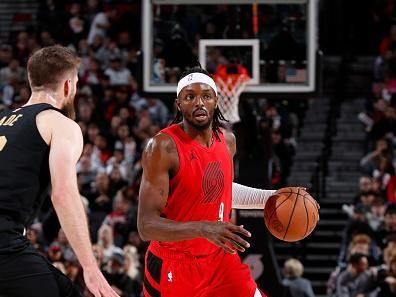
{"x": 68, "y": 108}
{"x": 69, "y": 111}
{"x": 200, "y": 126}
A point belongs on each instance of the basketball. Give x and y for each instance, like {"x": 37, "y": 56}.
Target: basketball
{"x": 291, "y": 214}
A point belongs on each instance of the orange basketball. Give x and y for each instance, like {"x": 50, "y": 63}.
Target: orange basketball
{"x": 291, "y": 214}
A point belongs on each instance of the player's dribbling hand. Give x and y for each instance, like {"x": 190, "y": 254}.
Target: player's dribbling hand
{"x": 97, "y": 284}
{"x": 225, "y": 235}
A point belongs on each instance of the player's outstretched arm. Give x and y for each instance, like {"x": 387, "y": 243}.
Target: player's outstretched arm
{"x": 160, "y": 159}
{"x": 244, "y": 197}
{"x": 65, "y": 149}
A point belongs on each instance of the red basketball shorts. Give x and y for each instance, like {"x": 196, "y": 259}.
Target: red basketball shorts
{"x": 168, "y": 274}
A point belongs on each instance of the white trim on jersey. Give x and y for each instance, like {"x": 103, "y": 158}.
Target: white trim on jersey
{"x": 257, "y": 293}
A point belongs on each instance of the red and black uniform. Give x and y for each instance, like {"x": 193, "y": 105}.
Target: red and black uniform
{"x": 200, "y": 191}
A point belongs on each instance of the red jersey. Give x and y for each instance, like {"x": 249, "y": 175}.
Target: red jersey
{"x": 201, "y": 190}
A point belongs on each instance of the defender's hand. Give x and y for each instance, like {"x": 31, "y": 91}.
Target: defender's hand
{"x": 97, "y": 284}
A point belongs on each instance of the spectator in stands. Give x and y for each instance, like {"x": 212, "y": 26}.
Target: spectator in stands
{"x": 9, "y": 90}
{"x": 127, "y": 50}
{"x": 85, "y": 114}
{"x": 118, "y": 217}
{"x": 387, "y": 51}
{"x": 104, "y": 50}
{"x": 384, "y": 172}
{"x": 367, "y": 199}
{"x": 102, "y": 148}
{"x": 55, "y": 253}
{"x": 365, "y": 185}
{"x": 117, "y": 175}
{"x": 388, "y": 228}
{"x": 91, "y": 9}
{"x": 5, "y": 55}
{"x": 119, "y": 162}
{"x": 298, "y": 286}
{"x": 62, "y": 242}
{"x": 106, "y": 242}
{"x": 101, "y": 24}
{"x": 76, "y": 24}
{"x": 115, "y": 274}
{"x": 99, "y": 255}
{"x": 21, "y": 49}
{"x": 285, "y": 153}
{"x": 33, "y": 233}
{"x": 132, "y": 264}
{"x": 13, "y": 71}
{"x": 21, "y": 98}
{"x": 88, "y": 151}
{"x": 389, "y": 251}
{"x": 177, "y": 51}
{"x": 375, "y": 216}
{"x": 372, "y": 160}
{"x": 386, "y": 126}
{"x": 100, "y": 197}
{"x": 117, "y": 72}
{"x": 46, "y": 39}
{"x": 158, "y": 111}
{"x": 85, "y": 172}
{"x": 357, "y": 225}
{"x": 375, "y": 109}
{"x": 91, "y": 75}
{"x": 357, "y": 280}
{"x": 51, "y": 18}
{"x": 387, "y": 280}
{"x": 143, "y": 130}
{"x": 74, "y": 272}
{"x": 364, "y": 244}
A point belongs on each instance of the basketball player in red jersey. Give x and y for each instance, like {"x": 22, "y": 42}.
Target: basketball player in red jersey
{"x": 185, "y": 202}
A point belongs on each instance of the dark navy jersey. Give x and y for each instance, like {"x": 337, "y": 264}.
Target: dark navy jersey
{"x": 24, "y": 167}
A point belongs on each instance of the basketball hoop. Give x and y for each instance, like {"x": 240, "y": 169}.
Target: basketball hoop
{"x": 229, "y": 87}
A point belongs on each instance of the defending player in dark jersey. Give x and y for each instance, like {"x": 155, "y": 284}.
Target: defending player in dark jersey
{"x": 186, "y": 198}
{"x": 39, "y": 143}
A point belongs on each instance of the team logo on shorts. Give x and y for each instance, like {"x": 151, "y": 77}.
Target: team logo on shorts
{"x": 170, "y": 277}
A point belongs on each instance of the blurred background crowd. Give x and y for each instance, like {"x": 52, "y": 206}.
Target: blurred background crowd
{"x": 367, "y": 259}
{"x": 117, "y": 121}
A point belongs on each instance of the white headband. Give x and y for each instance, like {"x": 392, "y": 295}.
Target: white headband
{"x": 196, "y": 77}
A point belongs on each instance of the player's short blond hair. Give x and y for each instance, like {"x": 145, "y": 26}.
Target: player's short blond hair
{"x": 293, "y": 268}
{"x": 47, "y": 65}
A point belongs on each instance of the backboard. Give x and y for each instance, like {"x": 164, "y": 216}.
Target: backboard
{"x": 226, "y": 51}
{"x": 274, "y": 39}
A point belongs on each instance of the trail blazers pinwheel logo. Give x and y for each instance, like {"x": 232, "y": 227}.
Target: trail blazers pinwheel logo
{"x": 212, "y": 182}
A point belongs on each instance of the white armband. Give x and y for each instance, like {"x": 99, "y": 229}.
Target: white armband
{"x": 244, "y": 197}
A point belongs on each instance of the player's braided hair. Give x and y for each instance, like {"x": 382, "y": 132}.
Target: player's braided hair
{"x": 217, "y": 116}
